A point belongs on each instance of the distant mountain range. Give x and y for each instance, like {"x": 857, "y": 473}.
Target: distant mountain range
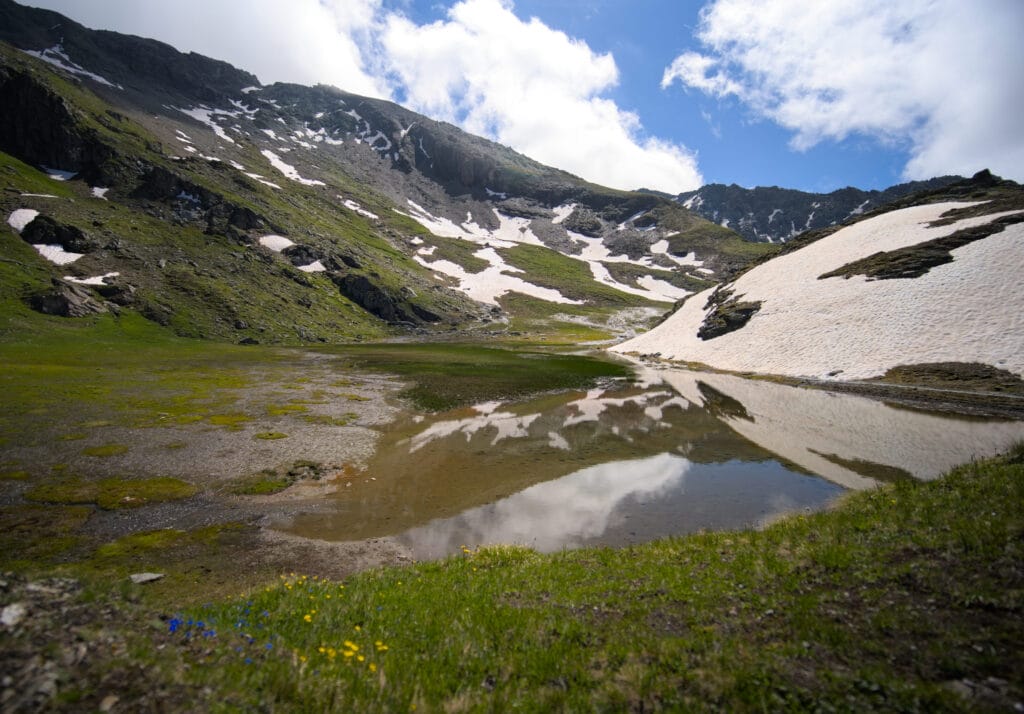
{"x": 774, "y": 215}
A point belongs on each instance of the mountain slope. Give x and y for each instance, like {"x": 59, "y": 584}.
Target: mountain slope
{"x": 928, "y": 284}
{"x": 774, "y": 215}
{"x": 364, "y": 209}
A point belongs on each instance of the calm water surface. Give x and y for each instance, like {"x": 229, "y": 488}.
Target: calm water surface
{"x": 672, "y": 453}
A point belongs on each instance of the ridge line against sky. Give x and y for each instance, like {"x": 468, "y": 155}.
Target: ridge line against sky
{"x": 662, "y": 95}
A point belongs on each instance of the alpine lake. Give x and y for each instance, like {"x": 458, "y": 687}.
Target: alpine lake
{"x": 664, "y": 452}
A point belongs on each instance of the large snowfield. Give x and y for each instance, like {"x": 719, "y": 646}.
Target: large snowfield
{"x": 969, "y": 310}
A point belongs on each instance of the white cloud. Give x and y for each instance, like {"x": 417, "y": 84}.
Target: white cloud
{"x": 533, "y": 88}
{"x": 941, "y": 77}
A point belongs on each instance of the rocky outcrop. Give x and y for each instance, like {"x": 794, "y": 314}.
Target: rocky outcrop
{"x": 40, "y": 128}
{"x": 47, "y": 231}
{"x": 66, "y": 300}
{"x": 217, "y": 213}
{"x": 379, "y": 301}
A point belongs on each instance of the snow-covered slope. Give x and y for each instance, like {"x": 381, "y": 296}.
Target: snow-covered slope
{"x": 967, "y": 310}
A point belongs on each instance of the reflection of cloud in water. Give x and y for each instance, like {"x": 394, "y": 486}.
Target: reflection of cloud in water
{"x": 803, "y": 425}
{"x": 554, "y": 514}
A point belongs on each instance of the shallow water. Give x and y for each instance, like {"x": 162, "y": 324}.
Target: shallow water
{"x": 672, "y": 453}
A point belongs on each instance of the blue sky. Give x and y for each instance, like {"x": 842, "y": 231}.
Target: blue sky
{"x": 662, "y": 94}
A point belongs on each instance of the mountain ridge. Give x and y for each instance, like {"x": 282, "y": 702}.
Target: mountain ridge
{"x": 775, "y": 215}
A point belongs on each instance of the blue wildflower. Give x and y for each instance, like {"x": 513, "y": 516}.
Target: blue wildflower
{"x": 174, "y": 624}
{"x": 270, "y": 645}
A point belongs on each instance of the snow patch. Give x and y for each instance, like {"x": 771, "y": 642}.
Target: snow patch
{"x": 21, "y": 217}
{"x": 855, "y": 328}
{"x": 288, "y": 170}
{"x": 96, "y": 280}
{"x": 353, "y": 206}
{"x": 494, "y": 281}
{"x": 204, "y": 115}
{"x": 57, "y": 254}
{"x": 275, "y": 243}
{"x": 316, "y": 267}
{"x": 100, "y": 192}
{"x": 262, "y": 180}
{"x": 562, "y": 212}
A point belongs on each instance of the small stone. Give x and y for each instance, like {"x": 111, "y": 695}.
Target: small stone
{"x": 12, "y": 614}
{"x": 140, "y": 578}
{"x": 109, "y": 702}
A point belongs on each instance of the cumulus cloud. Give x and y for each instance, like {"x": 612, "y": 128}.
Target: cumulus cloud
{"x": 941, "y": 77}
{"x": 534, "y": 88}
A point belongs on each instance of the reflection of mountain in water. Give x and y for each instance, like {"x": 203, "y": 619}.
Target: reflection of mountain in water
{"x": 555, "y": 514}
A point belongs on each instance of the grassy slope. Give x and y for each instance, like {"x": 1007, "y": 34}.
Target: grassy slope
{"x": 879, "y": 604}
{"x": 874, "y": 605}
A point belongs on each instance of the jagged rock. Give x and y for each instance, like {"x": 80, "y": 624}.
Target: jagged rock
{"x": 47, "y": 231}
{"x": 66, "y": 300}
{"x": 121, "y": 294}
{"x": 302, "y": 254}
{"x": 583, "y": 220}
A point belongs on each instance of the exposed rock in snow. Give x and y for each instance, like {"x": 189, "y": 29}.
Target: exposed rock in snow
{"x": 969, "y": 310}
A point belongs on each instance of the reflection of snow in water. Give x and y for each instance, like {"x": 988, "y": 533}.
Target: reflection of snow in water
{"x": 554, "y": 514}
{"x": 806, "y": 426}
{"x": 592, "y": 406}
{"x": 508, "y": 426}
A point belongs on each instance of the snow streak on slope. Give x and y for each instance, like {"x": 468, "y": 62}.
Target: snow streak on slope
{"x": 288, "y": 170}
{"x": 513, "y": 230}
{"x": 969, "y": 310}
{"x": 58, "y": 58}
{"x": 493, "y": 281}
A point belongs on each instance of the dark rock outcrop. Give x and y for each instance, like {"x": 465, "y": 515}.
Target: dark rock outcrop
{"x": 378, "y": 301}
{"x": 47, "y": 231}
{"x": 66, "y": 300}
